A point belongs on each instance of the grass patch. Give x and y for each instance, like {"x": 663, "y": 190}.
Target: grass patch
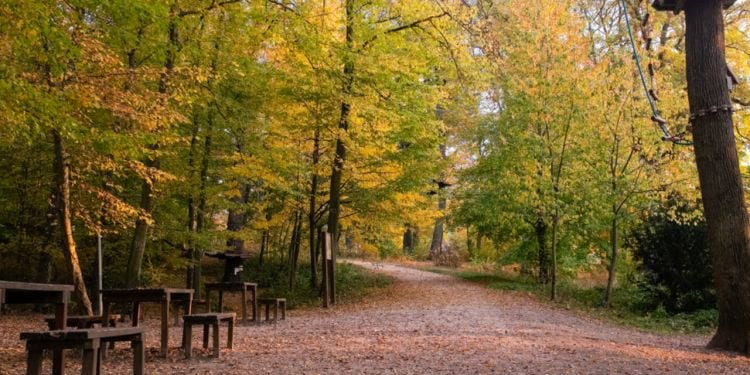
{"x": 623, "y": 310}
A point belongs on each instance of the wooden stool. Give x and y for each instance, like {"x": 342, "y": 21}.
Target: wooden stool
{"x": 278, "y": 303}
{"x": 90, "y": 340}
{"x": 207, "y": 319}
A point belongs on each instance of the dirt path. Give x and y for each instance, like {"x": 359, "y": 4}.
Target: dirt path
{"x": 434, "y": 324}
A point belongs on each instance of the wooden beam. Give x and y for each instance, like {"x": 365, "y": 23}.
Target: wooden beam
{"x": 678, "y": 6}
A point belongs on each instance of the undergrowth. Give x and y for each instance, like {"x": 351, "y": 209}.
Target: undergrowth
{"x": 626, "y": 307}
{"x": 352, "y": 282}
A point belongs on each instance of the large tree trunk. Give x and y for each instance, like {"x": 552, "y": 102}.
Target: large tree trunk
{"x": 719, "y": 172}
{"x": 62, "y": 203}
{"x": 334, "y": 202}
{"x": 436, "y": 246}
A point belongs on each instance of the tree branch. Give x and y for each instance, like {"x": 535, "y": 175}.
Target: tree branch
{"x": 401, "y": 28}
{"x": 214, "y": 4}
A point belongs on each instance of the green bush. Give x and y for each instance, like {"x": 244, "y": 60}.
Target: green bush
{"x": 674, "y": 259}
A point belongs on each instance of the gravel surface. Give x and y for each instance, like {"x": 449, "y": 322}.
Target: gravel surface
{"x": 425, "y": 323}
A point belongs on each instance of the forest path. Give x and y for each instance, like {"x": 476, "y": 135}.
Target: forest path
{"x": 427, "y": 323}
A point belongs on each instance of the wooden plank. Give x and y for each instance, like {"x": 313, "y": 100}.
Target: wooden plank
{"x": 35, "y": 286}
{"x": 82, "y": 334}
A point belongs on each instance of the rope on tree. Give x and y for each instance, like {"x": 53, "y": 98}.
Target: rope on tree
{"x": 650, "y": 91}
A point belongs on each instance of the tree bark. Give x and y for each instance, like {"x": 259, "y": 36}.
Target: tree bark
{"x": 67, "y": 242}
{"x": 540, "y": 229}
{"x": 612, "y": 261}
{"x": 555, "y": 227}
{"x": 436, "y": 246}
{"x": 294, "y": 247}
{"x": 313, "y": 207}
{"x": 334, "y": 201}
{"x": 719, "y": 172}
{"x": 140, "y": 236}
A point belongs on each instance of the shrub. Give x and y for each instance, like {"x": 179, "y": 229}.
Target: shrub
{"x": 674, "y": 258}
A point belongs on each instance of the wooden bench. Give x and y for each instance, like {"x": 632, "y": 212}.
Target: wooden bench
{"x": 84, "y": 321}
{"x": 278, "y": 303}
{"x": 89, "y": 340}
{"x": 206, "y": 320}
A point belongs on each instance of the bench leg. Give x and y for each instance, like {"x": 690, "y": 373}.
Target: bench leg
{"x": 205, "y": 335}
{"x": 276, "y": 311}
{"x": 283, "y": 310}
{"x": 187, "y": 339}
{"x": 138, "y": 356}
{"x": 34, "y": 362}
{"x": 230, "y": 333}
{"x": 268, "y": 308}
{"x": 216, "y": 338}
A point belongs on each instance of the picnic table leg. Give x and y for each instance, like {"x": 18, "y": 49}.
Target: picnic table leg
{"x": 230, "y": 333}
{"x": 61, "y": 320}
{"x": 205, "y": 335}
{"x": 254, "y": 293}
{"x": 188, "y": 310}
{"x": 244, "y": 305}
{"x": 164, "y": 326}
{"x": 138, "y": 355}
{"x": 187, "y": 339}
{"x": 34, "y": 361}
{"x": 89, "y": 365}
{"x": 216, "y": 338}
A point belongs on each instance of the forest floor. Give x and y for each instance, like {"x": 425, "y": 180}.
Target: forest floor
{"x": 423, "y": 323}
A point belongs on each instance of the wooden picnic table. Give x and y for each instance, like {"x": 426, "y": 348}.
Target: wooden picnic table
{"x": 240, "y": 287}
{"x": 165, "y": 296}
{"x": 13, "y": 292}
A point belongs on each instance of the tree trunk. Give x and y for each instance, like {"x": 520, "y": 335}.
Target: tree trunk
{"x": 312, "y": 210}
{"x": 540, "y": 228}
{"x": 237, "y": 217}
{"x": 612, "y": 262}
{"x": 334, "y": 202}
{"x": 719, "y": 172}
{"x": 191, "y": 205}
{"x": 264, "y": 239}
{"x": 436, "y": 246}
{"x": 67, "y": 242}
{"x": 138, "y": 246}
{"x": 555, "y": 227}
{"x": 294, "y": 246}
{"x": 409, "y": 240}
{"x": 140, "y": 235}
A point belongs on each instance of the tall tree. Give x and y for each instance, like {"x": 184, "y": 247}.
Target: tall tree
{"x": 719, "y": 171}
